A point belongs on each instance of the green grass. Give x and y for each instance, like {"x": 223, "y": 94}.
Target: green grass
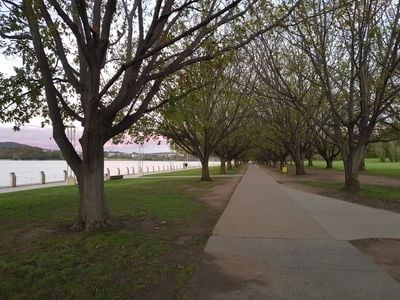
{"x": 194, "y": 172}
{"x": 367, "y": 191}
{"x": 320, "y": 164}
{"x": 373, "y": 167}
{"x": 41, "y": 259}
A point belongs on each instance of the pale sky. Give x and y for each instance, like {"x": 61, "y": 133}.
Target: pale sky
{"x": 6, "y": 64}
{"x": 32, "y": 134}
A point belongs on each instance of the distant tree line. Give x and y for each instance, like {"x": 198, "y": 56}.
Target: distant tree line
{"x": 30, "y": 153}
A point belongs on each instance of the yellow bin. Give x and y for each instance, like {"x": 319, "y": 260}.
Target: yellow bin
{"x": 284, "y": 169}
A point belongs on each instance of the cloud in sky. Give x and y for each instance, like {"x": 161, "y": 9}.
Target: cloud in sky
{"x": 34, "y": 135}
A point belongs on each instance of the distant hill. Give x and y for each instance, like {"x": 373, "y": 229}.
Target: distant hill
{"x": 12, "y": 145}
{"x": 16, "y": 151}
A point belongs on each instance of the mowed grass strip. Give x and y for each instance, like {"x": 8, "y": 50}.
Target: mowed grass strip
{"x": 41, "y": 259}
{"x": 193, "y": 172}
{"x": 373, "y": 167}
{"x": 367, "y": 191}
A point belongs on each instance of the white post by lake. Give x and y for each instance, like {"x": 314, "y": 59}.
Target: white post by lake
{"x": 28, "y": 171}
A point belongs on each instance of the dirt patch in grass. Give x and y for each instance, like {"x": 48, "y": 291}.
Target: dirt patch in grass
{"x": 218, "y": 197}
{"x": 189, "y": 241}
{"x": 330, "y": 177}
{"x": 36, "y": 233}
{"x": 325, "y": 175}
{"x": 384, "y": 252}
{"x": 117, "y": 224}
{"x": 191, "y": 188}
{"x": 375, "y": 202}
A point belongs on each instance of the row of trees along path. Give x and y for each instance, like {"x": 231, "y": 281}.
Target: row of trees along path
{"x": 215, "y": 78}
{"x": 103, "y": 62}
{"x": 340, "y": 70}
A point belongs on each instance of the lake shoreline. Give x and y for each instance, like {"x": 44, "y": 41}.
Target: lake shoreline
{"x": 29, "y": 172}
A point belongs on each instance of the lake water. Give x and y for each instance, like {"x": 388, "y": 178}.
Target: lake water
{"x": 28, "y": 171}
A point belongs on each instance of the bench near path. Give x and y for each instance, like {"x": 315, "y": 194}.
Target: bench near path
{"x": 273, "y": 242}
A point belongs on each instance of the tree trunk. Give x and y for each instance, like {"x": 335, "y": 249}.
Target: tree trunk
{"x": 222, "y": 170}
{"x": 351, "y": 182}
{"x": 229, "y": 164}
{"x": 236, "y": 163}
{"x": 329, "y": 163}
{"x": 362, "y": 165}
{"x": 299, "y": 163}
{"x": 281, "y": 164}
{"x": 351, "y": 168}
{"x": 205, "y": 171}
{"x": 93, "y": 211}
{"x": 274, "y": 164}
{"x": 310, "y": 162}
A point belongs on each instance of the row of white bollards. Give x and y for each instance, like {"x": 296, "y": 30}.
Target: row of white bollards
{"x": 153, "y": 169}
{"x": 42, "y": 178}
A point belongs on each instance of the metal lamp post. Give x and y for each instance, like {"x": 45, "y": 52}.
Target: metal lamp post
{"x": 71, "y": 134}
{"x": 140, "y": 158}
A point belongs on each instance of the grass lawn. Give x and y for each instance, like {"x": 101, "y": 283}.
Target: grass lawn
{"x": 373, "y": 167}
{"x": 41, "y": 259}
{"x": 367, "y": 191}
{"x": 194, "y": 172}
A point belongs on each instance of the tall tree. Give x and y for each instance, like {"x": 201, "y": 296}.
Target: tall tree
{"x": 101, "y": 62}
{"x": 236, "y": 144}
{"x": 210, "y": 113}
{"x": 289, "y": 126}
{"x": 269, "y": 149}
{"x": 280, "y": 76}
{"x": 353, "y": 48}
{"x": 325, "y": 147}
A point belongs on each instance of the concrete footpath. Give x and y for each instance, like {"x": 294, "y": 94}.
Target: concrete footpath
{"x": 273, "y": 242}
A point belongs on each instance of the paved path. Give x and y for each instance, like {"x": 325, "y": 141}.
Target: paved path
{"x": 273, "y": 242}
